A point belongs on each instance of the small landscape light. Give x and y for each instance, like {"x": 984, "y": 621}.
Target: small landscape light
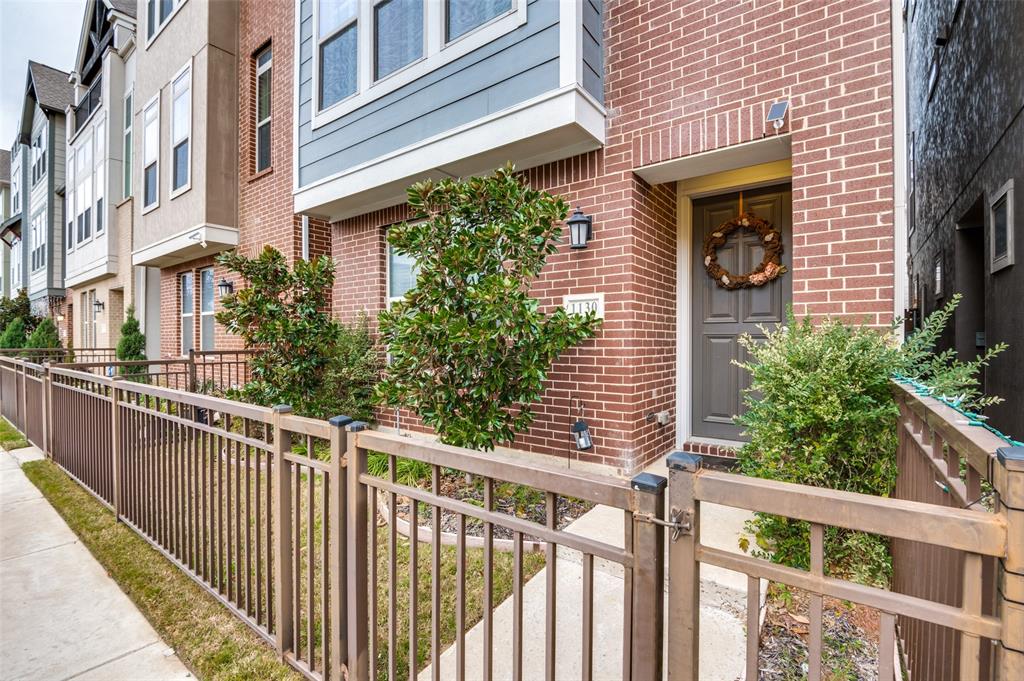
{"x": 581, "y": 228}
{"x": 581, "y": 433}
{"x": 225, "y": 288}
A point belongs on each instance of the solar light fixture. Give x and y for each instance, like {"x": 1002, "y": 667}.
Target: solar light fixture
{"x": 777, "y": 113}
{"x": 225, "y": 288}
{"x": 581, "y": 228}
{"x": 581, "y": 433}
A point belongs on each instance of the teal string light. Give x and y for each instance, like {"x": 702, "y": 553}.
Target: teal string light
{"x": 954, "y": 403}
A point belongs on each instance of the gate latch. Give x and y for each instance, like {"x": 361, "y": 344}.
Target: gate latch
{"x": 679, "y": 520}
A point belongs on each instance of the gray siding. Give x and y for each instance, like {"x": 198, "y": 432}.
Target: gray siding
{"x": 593, "y": 49}
{"x": 515, "y": 68}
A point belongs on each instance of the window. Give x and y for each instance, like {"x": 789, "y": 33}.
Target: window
{"x": 187, "y": 317}
{"x": 151, "y": 153}
{"x": 206, "y": 321}
{"x": 37, "y": 256}
{"x": 15, "y": 195}
{"x": 86, "y": 316}
{"x": 83, "y": 189}
{"x": 264, "y": 63}
{"x": 398, "y": 35}
{"x": 158, "y": 13}
{"x": 1001, "y": 220}
{"x": 69, "y": 202}
{"x": 126, "y": 150}
{"x": 367, "y": 49}
{"x": 100, "y": 175}
{"x": 401, "y": 275}
{"x": 39, "y": 156}
{"x": 938, "y": 276}
{"x": 181, "y": 131}
{"x": 462, "y": 16}
{"x": 338, "y": 47}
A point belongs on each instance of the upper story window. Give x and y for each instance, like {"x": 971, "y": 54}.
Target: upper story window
{"x": 264, "y": 66}
{"x": 181, "y": 131}
{"x": 151, "y": 153}
{"x": 38, "y": 243}
{"x": 367, "y": 49}
{"x": 39, "y": 156}
{"x": 15, "y": 194}
{"x": 69, "y": 202}
{"x": 100, "y": 175}
{"x": 126, "y": 150}
{"x": 1001, "y": 221}
{"x": 83, "y": 189}
{"x": 158, "y": 13}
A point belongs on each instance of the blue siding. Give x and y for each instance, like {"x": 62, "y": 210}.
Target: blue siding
{"x": 517, "y": 67}
{"x": 593, "y": 49}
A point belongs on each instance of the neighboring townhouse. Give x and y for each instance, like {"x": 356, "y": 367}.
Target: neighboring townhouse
{"x": 15, "y": 269}
{"x": 652, "y": 118}
{"x": 966, "y": 183}
{"x": 98, "y": 227}
{"x": 185, "y": 166}
{"x": 48, "y": 95}
{"x": 5, "y": 213}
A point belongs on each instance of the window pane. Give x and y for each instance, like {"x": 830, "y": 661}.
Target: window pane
{"x": 206, "y": 290}
{"x": 180, "y": 118}
{"x": 151, "y": 135}
{"x": 150, "y": 17}
{"x": 101, "y": 140}
{"x": 264, "y": 57}
{"x": 127, "y": 190}
{"x": 187, "y": 335}
{"x": 1000, "y": 236}
{"x": 180, "y": 165}
{"x": 165, "y": 9}
{"x": 88, "y": 222}
{"x": 334, "y": 14}
{"x": 150, "y": 185}
{"x": 465, "y": 15}
{"x": 398, "y": 36}
{"x": 263, "y": 96}
{"x": 99, "y": 215}
{"x": 401, "y": 274}
{"x": 186, "y": 293}
{"x": 338, "y": 67}
{"x": 206, "y": 332}
{"x": 263, "y": 144}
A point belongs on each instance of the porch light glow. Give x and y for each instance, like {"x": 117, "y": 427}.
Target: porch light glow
{"x": 225, "y": 288}
{"x": 581, "y": 433}
{"x": 581, "y": 228}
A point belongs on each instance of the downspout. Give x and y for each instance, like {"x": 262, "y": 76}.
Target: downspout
{"x": 305, "y": 237}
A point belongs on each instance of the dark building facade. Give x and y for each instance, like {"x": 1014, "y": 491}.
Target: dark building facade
{"x": 965, "y": 106}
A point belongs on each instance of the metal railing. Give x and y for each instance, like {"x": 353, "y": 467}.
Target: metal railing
{"x": 89, "y": 103}
{"x": 62, "y": 355}
{"x": 202, "y": 372}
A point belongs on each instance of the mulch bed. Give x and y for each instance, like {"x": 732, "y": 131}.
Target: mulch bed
{"x": 513, "y": 500}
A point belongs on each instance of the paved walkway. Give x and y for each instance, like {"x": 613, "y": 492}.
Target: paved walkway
{"x": 61, "y": 615}
{"x": 723, "y": 608}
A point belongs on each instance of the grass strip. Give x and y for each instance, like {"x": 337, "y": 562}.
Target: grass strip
{"x": 210, "y": 640}
{"x": 10, "y": 438}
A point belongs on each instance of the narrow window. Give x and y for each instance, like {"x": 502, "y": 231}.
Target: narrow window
{"x": 84, "y": 341}
{"x": 337, "y": 41}
{"x": 69, "y": 203}
{"x": 206, "y": 320}
{"x": 187, "y": 304}
{"x": 126, "y": 165}
{"x": 264, "y": 64}
{"x": 401, "y": 275}
{"x": 150, "y": 18}
{"x": 181, "y": 129}
{"x": 1001, "y": 221}
{"x": 462, "y": 16}
{"x": 398, "y": 35}
{"x": 100, "y": 174}
{"x": 151, "y": 153}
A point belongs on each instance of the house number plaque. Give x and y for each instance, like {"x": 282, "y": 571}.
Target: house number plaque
{"x": 582, "y": 303}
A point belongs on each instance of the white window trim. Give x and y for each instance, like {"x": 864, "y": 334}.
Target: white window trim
{"x": 437, "y": 53}
{"x": 144, "y": 27}
{"x": 211, "y": 313}
{"x": 127, "y": 155}
{"x": 99, "y": 185}
{"x": 256, "y": 107}
{"x": 153, "y": 101}
{"x": 184, "y": 71}
{"x": 1006, "y": 260}
{"x": 192, "y": 315}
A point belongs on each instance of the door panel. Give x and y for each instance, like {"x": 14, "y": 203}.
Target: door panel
{"x": 720, "y": 317}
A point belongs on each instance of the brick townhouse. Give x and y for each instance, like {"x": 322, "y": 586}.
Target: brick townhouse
{"x": 652, "y": 117}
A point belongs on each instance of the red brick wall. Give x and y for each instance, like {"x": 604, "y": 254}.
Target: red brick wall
{"x": 684, "y": 78}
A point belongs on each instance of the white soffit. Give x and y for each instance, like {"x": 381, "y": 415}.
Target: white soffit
{"x": 775, "y": 148}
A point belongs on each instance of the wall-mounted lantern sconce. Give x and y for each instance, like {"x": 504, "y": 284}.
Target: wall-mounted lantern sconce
{"x": 581, "y": 228}
{"x": 97, "y": 306}
{"x": 581, "y": 433}
{"x": 225, "y": 288}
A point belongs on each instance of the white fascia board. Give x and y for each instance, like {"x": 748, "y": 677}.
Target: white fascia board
{"x": 186, "y": 245}
{"x": 105, "y": 267}
{"x": 556, "y": 125}
{"x": 774, "y": 148}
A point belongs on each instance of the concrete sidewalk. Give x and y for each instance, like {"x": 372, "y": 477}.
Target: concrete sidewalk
{"x": 61, "y": 615}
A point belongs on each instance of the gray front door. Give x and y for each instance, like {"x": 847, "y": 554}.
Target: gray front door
{"x": 721, "y": 316}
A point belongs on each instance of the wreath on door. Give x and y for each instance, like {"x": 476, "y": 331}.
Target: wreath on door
{"x": 770, "y": 267}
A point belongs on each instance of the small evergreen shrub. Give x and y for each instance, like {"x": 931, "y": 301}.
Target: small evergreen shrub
{"x": 14, "y": 334}
{"x": 45, "y": 336}
{"x": 132, "y": 345}
{"x": 14, "y": 307}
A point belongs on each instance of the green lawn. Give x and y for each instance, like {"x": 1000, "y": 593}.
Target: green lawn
{"x": 204, "y": 634}
{"x": 10, "y": 438}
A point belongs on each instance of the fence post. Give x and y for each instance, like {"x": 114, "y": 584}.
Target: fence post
{"x": 115, "y": 440}
{"x": 683, "y": 570}
{"x": 358, "y": 557}
{"x": 282, "y": 529}
{"x": 648, "y": 576}
{"x": 1008, "y": 480}
{"x": 23, "y": 399}
{"x": 47, "y": 416}
{"x": 192, "y": 371}
{"x": 338, "y": 639}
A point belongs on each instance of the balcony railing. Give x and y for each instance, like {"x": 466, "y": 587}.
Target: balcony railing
{"x": 90, "y": 102}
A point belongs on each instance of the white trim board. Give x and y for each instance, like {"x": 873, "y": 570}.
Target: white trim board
{"x": 733, "y": 157}
{"x": 558, "y": 124}
{"x": 188, "y": 244}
